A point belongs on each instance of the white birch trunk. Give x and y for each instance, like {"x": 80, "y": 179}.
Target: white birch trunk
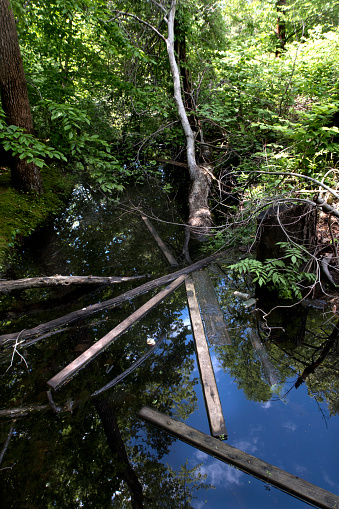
{"x": 200, "y": 219}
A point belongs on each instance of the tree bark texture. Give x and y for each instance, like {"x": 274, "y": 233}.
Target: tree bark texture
{"x": 200, "y": 219}
{"x": 41, "y": 282}
{"x": 108, "y": 304}
{"x": 25, "y": 176}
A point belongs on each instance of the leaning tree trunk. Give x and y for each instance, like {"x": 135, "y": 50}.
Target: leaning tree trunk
{"x": 200, "y": 219}
{"x": 25, "y": 176}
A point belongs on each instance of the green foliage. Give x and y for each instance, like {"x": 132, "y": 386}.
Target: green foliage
{"x": 24, "y": 145}
{"x": 283, "y": 275}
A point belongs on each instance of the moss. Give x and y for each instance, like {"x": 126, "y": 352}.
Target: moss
{"x": 21, "y": 214}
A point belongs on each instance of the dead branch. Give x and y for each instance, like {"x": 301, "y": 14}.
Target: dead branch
{"x": 312, "y": 367}
{"x": 6, "y": 444}
{"x": 90, "y": 354}
{"x": 108, "y": 304}
{"x": 7, "y": 286}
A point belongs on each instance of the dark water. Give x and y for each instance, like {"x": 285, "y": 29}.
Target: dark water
{"x": 63, "y": 459}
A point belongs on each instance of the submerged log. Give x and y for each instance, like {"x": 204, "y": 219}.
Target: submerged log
{"x": 108, "y": 304}
{"x": 7, "y": 286}
{"x": 213, "y": 317}
{"x": 256, "y": 467}
{"x": 124, "y": 469}
{"x": 83, "y": 359}
{"x": 268, "y": 369}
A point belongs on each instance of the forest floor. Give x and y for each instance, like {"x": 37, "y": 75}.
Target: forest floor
{"x": 21, "y": 214}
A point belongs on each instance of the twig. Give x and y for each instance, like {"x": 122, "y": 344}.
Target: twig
{"x": 332, "y": 236}
{"x": 16, "y": 351}
{"x": 6, "y": 444}
{"x": 129, "y": 370}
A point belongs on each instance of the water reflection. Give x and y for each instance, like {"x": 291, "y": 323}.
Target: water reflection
{"x": 60, "y": 456}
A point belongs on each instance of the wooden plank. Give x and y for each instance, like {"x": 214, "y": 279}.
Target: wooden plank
{"x": 108, "y": 304}
{"x": 213, "y": 317}
{"x": 166, "y": 252}
{"x": 256, "y": 467}
{"x": 209, "y": 386}
{"x": 83, "y": 359}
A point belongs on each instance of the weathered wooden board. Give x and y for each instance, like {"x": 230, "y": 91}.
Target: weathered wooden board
{"x": 108, "y": 304}
{"x": 83, "y": 359}
{"x": 209, "y": 386}
{"x": 164, "y": 249}
{"x": 212, "y": 315}
{"x": 260, "y": 469}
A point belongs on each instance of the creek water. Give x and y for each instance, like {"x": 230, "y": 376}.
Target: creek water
{"x": 62, "y": 459}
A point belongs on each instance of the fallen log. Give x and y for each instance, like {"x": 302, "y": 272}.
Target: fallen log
{"x": 209, "y": 386}
{"x": 7, "y": 286}
{"x": 256, "y": 467}
{"x": 108, "y": 304}
{"x": 83, "y": 359}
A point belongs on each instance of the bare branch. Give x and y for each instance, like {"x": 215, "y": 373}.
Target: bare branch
{"x": 140, "y": 20}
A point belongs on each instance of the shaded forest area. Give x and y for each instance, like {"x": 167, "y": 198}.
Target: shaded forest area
{"x": 236, "y": 104}
{"x": 230, "y": 110}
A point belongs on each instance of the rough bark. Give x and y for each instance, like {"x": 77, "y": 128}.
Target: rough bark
{"x": 283, "y": 223}
{"x": 108, "y": 304}
{"x": 25, "y": 176}
{"x": 200, "y": 219}
{"x": 57, "y": 280}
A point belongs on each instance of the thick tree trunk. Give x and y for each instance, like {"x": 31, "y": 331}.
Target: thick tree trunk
{"x": 283, "y": 223}
{"x": 14, "y": 97}
{"x": 200, "y": 219}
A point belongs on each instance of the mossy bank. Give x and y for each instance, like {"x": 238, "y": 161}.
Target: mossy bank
{"x": 21, "y": 214}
